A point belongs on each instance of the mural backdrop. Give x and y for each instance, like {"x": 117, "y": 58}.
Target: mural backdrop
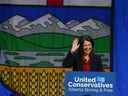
{"x": 38, "y": 34}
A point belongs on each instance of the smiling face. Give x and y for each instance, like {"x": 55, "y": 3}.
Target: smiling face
{"x": 87, "y": 47}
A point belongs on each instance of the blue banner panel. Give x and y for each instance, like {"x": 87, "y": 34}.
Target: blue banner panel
{"x": 89, "y": 84}
{"x": 121, "y": 46}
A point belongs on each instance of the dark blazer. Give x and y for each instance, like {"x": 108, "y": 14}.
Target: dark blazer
{"x": 74, "y": 60}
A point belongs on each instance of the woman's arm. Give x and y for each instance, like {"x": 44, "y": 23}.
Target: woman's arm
{"x": 68, "y": 60}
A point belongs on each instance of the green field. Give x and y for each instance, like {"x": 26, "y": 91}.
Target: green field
{"x": 12, "y": 43}
{"x": 102, "y": 44}
{"x": 50, "y": 40}
{"x": 46, "y": 42}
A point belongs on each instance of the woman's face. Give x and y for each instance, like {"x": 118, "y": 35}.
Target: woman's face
{"x": 87, "y": 47}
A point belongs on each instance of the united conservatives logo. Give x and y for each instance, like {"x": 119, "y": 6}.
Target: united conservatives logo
{"x": 92, "y": 84}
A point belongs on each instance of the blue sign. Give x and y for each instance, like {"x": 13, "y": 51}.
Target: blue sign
{"x": 89, "y": 84}
{"x": 6, "y": 90}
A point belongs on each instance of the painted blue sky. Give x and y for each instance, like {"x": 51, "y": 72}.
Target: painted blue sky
{"x": 65, "y": 14}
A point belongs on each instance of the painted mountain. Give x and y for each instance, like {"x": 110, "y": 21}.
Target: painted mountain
{"x": 46, "y": 40}
{"x": 19, "y": 26}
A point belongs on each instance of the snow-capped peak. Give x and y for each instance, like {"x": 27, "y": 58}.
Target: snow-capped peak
{"x": 41, "y": 21}
{"x": 72, "y": 23}
{"x": 46, "y": 20}
{"x": 16, "y": 18}
{"x": 91, "y": 23}
{"x": 15, "y": 21}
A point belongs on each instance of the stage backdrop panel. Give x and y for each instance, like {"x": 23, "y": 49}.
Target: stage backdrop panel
{"x": 35, "y": 35}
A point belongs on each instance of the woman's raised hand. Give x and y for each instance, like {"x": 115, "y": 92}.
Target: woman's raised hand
{"x": 75, "y": 45}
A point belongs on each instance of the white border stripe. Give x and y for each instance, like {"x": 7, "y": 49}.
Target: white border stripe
{"x": 24, "y": 2}
{"x": 106, "y": 3}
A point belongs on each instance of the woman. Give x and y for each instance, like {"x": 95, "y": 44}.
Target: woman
{"x": 81, "y": 56}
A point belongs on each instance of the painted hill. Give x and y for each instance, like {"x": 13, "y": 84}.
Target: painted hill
{"x": 46, "y": 42}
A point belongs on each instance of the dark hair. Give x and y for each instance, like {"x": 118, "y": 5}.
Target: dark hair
{"x": 87, "y": 38}
{"x": 81, "y": 42}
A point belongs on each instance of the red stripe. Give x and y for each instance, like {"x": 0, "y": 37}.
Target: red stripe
{"x": 55, "y": 2}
